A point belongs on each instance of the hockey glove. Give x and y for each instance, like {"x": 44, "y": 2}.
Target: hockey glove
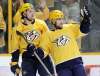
{"x": 31, "y": 48}
{"x": 15, "y": 68}
{"x": 86, "y": 20}
{"x": 85, "y": 13}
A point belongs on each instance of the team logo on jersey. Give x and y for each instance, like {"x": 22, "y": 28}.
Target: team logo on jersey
{"x": 31, "y": 35}
{"x": 62, "y": 40}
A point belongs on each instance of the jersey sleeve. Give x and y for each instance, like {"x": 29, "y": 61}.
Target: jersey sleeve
{"x": 44, "y": 27}
{"x": 75, "y": 28}
{"x": 46, "y": 13}
{"x": 17, "y": 17}
{"x": 45, "y": 43}
{"x": 14, "y": 41}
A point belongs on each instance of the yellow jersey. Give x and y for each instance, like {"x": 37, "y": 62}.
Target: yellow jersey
{"x": 32, "y": 33}
{"x": 61, "y": 43}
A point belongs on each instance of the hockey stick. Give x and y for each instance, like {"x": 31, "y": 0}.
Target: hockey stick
{"x": 54, "y": 69}
{"x": 39, "y": 59}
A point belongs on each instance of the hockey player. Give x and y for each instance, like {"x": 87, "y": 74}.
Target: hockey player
{"x": 32, "y": 30}
{"x": 61, "y": 44}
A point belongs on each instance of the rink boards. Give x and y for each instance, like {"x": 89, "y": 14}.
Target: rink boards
{"x": 5, "y": 59}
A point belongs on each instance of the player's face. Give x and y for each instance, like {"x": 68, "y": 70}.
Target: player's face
{"x": 60, "y": 22}
{"x": 30, "y": 14}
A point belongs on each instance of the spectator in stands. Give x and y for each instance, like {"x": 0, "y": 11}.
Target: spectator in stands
{"x": 70, "y": 8}
{"x": 2, "y": 30}
{"x": 91, "y": 43}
